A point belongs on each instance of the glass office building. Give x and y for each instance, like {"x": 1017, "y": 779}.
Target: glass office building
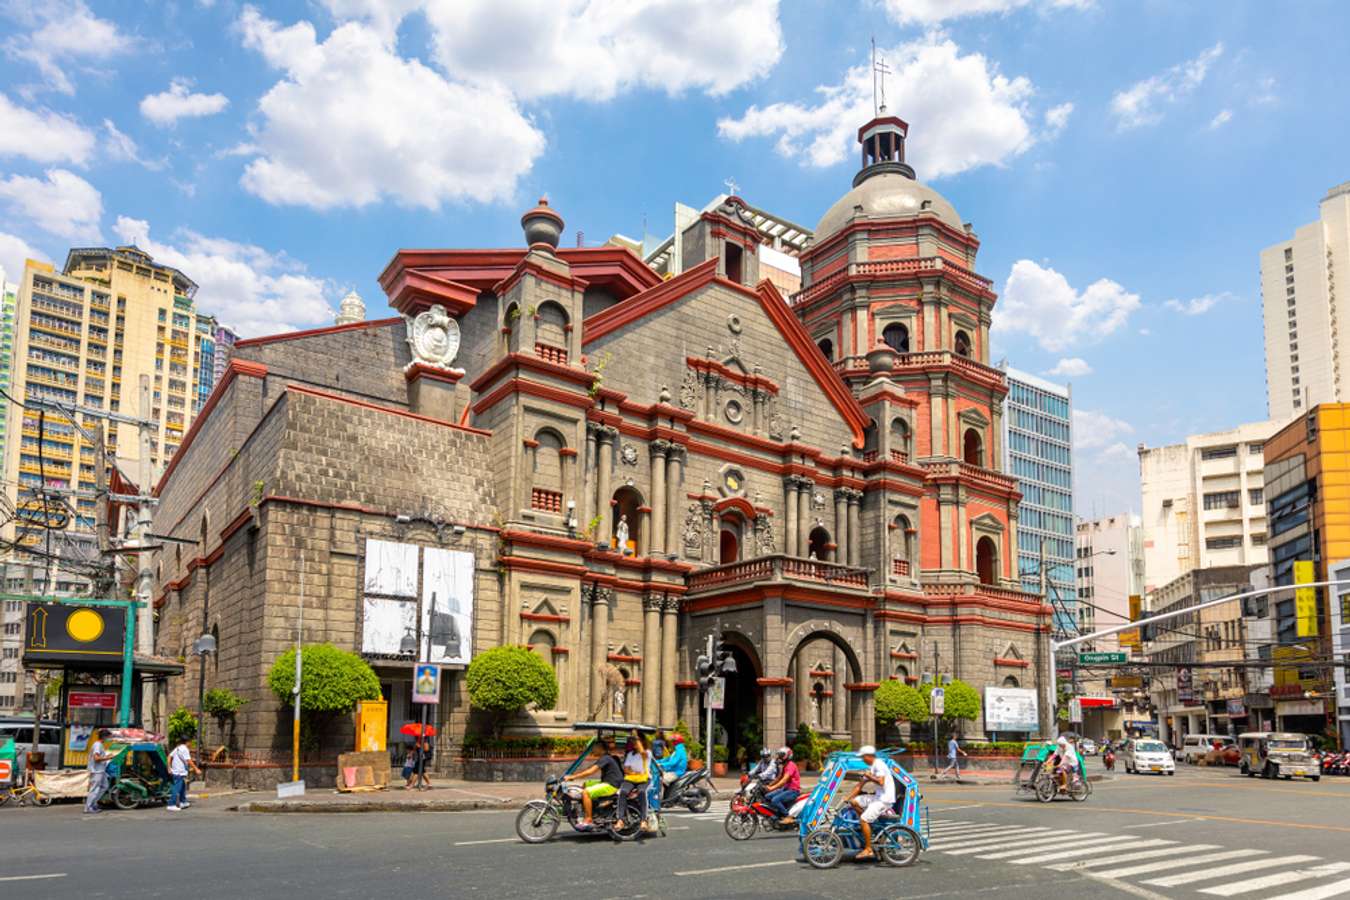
{"x": 1038, "y": 441}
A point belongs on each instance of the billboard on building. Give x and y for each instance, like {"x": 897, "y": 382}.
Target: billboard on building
{"x": 447, "y": 604}
{"x": 1010, "y": 709}
{"x": 1305, "y": 599}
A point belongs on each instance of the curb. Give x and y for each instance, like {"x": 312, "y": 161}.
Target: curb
{"x": 381, "y": 805}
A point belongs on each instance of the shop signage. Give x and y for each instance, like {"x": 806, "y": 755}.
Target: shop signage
{"x": 1101, "y": 658}
{"x": 1305, "y": 599}
{"x": 1075, "y": 710}
{"x": 1126, "y": 681}
{"x": 426, "y": 683}
{"x": 1236, "y": 710}
{"x": 1185, "y": 686}
{"x": 91, "y": 700}
{"x": 57, "y": 633}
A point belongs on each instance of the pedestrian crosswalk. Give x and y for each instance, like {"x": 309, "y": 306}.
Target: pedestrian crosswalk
{"x": 716, "y": 813}
{"x": 1149, "y": 863}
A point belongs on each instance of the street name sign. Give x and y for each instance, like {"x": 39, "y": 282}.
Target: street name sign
{"x": 1100, "y": 658}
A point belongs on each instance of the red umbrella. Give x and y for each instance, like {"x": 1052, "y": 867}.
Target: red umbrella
{"x": 415, "y": 729}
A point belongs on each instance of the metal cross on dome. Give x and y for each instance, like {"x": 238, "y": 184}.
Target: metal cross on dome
{"x": 879, "y": 67}
{"x": 732, "y": 187}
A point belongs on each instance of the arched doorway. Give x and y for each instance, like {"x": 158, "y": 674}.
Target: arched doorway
{"x": 820, "y": 666}
{"x": 962, "y": 344}
{"x": 627, "y": 502}
{"x": 896, "y": 336}
{"x": 819, "y": 543}
{"x": 741, "y": 718}
{"x": 986, "y": 560}
{"x": 1010, "y": 682}
{"x": 973, "y": 448}
{"x": 900, "y": 440}
{"x": 730, "y": 537}
{"x": 826, "y": 348}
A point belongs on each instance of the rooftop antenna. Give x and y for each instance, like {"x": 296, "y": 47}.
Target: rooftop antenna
{"x": 879, "y": 67}
{"x": 732, "y": 187}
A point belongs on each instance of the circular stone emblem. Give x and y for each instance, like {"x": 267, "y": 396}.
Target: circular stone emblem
{"x": 434, "y": 337}
{"x": 734, "y": 412}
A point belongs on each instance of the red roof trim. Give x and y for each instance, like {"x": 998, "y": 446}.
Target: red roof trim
{"x": 615, "y": 267}
{"x": 315, "y": 332}
{"x": 639, "y": 305}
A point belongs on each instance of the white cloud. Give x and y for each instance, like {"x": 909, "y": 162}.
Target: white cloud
{"x": 963, "y": 112}
{"x": 1119, "y": 452}
{"x": 1138, "y": 105}
{"x": 245, "y": 286}
{"x": 931, "y": 12}
{"x": 64, "y": 204}
{"x": 1264, "y": 94}
{"x": 1056, "y": 118}
{"x": 13, "y": 251}
{"x": 1221, "y": 118}
{"x": 1197, "y": 306}
{"x": 382, "y": 15}
{"x": 42, "y": 136}
{"x": 1040, "y": 302}
{"x": 1071, "y": 367}
{"x": 120, "y": 147}
{"x": 595, "y": 49}
{"x": 1094, "y": 430}
{"x": 67, "y": 34}
{"x": 178, "y": 102}
{"x": 334, "y": 133}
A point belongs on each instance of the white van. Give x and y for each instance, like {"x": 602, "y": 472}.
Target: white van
{"x": 1195, "y": 746}
{"x": 49, "y": 742}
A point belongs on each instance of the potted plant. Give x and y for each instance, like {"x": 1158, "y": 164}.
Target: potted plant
{"x": 719, "y": 769}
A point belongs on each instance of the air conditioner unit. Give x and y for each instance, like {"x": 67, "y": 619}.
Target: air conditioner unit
{"x": 1167, "y": 504}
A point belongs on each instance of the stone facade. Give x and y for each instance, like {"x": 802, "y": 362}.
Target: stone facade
{"x": 634, "y": 465}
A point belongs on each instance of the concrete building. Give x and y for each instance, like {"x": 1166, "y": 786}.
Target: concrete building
{"x": 1192, "y": 694}
{"x": 572, "y": 452}
{"x": 1038, "y": 423}
{"x": 1109, "y": 555}
{"x": 85, "y": 337}
{"x": 225, "y": 341}
{"x": 1203, "y": 503}
{"x": 16, "y": 690}
{"x": 783, "y": 241}
{"x": 8, "y": 299}
{"x": 1308, "y": 478}
{"x": 1303, "y": 312}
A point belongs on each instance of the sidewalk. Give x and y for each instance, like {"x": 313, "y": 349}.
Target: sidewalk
{"x": 447, "y": 795}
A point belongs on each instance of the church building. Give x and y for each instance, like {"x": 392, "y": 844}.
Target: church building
{"x": 558, "y": 448}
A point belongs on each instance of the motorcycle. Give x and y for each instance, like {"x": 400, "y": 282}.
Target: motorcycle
{"x": 539, "y": 820}
{"x": 692, "y": 790}
{"x": 1109, "y": 759}
{"x": 750, "y": 812}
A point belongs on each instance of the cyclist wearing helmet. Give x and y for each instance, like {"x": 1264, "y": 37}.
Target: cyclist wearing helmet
{"x": 676, "y": 761}
{"x": 783, "y": 791}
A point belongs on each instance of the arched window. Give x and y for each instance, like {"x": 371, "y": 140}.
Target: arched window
{"x": 512, "y": 326}
{"x": 551, "y": 333}
{"x": 962, "y": 344}
{"x": 899, "y": 440}
{"x": 542, "y": 643}
{"x": 896, "y": 336}
{"x": 903, "y": 564}
{"x": 1010, "y": 682}
{"x": 729, "y": 540}
{"x": 973, "y": 450}
{"x": 546, "y": 488}
{"x": 627, "y": 503}
{"x": 902, "y": 672}
{"x": 819, "y": 541}
{"x": 986, "y": 560}
{"x": 826, "y": 348}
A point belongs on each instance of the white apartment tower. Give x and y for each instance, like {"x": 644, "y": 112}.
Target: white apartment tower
{"x": 1110, "y": 567}
{"x": 1204, "y": 502}
{"x": 1304, "y": 314}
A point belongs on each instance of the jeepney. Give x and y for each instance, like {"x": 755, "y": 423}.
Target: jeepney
{"x": 1277, "y": 754}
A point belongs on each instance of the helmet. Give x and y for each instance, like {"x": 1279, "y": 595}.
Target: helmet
{"x": 868, "y": 750}
{"x": 764, "y": 753}
{"x": 677, "y": 739}
{"x": 785, "y": 752}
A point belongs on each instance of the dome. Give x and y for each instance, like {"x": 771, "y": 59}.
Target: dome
{"x": 352, "y": 309}
{"x": 883, "y": 195}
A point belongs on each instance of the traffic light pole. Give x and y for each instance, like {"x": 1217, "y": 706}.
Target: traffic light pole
{"x": 708, "y": 712}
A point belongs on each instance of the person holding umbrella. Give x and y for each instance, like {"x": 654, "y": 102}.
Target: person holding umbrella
{"x": 419, "y": 756}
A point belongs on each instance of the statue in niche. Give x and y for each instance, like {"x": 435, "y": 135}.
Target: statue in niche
{"x": 621, "y": 535}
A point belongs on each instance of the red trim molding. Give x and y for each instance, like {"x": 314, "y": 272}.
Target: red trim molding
{"x": 1012, "y": 663}
{"x": 315, "y": 332}
{"x": 619, "y": 657}
{"x": 686, "y": 685}
{"x": 416, "y": 370}
{"x": 543, "y": 617}
{"x": 773, "y": 682}
{"x": 863, "y": 687}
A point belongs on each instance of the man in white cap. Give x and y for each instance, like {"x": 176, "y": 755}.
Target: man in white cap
{"x": 878, "y": 802}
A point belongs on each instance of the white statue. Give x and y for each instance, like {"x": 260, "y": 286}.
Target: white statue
{"x": 621, "y": 535}
{"x": 619, "y": 697}
{"x": 815, "y": 710}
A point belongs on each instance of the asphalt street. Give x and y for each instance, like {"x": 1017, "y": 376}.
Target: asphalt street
{"x": 1202, "y": 833}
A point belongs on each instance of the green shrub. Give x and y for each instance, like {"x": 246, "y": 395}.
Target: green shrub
{"x": 960, "y": 701}
{"x": 182, "y": 725}
{"x": 506, "y": 680}
{"x": 719, "y": 753}
{"x": 332, "y": 682}
{"x": 899, "y": 702}
{"x": 806, "y": 746}
{"x": 829, "y": 745}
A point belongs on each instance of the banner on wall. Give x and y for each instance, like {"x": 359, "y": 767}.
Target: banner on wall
{"x": 1305, "y": 599}
{"x": 447, "y": 605}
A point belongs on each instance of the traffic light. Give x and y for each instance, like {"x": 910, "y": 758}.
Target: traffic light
{"x": 721, "y": 663}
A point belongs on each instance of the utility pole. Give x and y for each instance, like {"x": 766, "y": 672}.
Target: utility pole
{"x": 145, "y": 574}
{"x": 708, "y": 712}
{"x": 937, "y": 683}
{"x": 295, "y": 691}
{"x": 1052, "y": 720}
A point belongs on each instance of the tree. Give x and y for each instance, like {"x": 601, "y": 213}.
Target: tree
{"x": 182, "y": 725}
{"x": 899, "y": 702}
{"x": 505, "y": 680}
{"x": 222, "y": 703}
{"x": 332, "y": 682}
{"x": 960, "y": 701}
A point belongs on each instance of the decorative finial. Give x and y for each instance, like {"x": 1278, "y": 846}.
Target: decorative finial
{"x": 794, "y": 434}
{"x": 664, "y": 396}
{"x": 352, "y": 309}
{"x": 543, "y": 227}
{"x": 879, "y": 68}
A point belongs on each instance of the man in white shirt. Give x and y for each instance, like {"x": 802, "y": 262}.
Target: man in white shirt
{"x": 98, "y": 771}
{"x": 877, "y": 803}
{"x": 180, "y": 761}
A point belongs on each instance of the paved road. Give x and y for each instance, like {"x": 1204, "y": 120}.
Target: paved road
{"x": 1200, "y": 834}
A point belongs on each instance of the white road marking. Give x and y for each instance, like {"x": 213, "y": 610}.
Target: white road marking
{"x": 763, "y": 865}
{"x": 1234, "y": 869}
{"x": 947, "y": 837}
{"x": 1040, "y": 844}
{"x": 33, "y": 877}
{"x": 968, "y": 826}
{"x": 1275, "y": 880}
{"x": 1130, "y": 857}
{"x": 1178, "y": 863}
{"x": 947, "y": 809}
{"x": 1168, "y": 822}
{"x": 987, "y": 842}
{"x": 1335, "y": 889}
{"x": 1081, "y": 848}
{"x": 491, "y": 841}
{"x": 1127, "y": 888}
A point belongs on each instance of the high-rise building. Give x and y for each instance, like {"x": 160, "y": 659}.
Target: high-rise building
{"x": 1204, "y": 503}
{"x": 225, "y": 340}
{"x": 1303, "y": 315}
{"x": 1039, "y": 445}
{"x": 8, "y": 297}
{"x": 84, "y": 337}
{"x": 1110, "y": 569}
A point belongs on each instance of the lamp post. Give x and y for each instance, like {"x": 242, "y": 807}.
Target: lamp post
{"x": 422, "y": 757}
{"x": 204, "y": 645}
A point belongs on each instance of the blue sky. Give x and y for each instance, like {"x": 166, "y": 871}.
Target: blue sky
{"x": 1122, "y": 162}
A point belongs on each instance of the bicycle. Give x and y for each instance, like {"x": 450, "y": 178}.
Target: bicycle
{"x": 22, "y": 795}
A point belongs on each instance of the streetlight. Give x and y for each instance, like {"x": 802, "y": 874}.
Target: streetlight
{"x": 201, "y": 647}
{"x": 1049, "y": 594}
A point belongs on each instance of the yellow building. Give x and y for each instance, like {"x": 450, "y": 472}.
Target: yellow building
{"x": 84, "y": 337}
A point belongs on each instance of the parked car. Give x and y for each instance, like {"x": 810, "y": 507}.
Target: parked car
{"x": 1195, "y": 746}
{"x": 1149, "y": 755}
{"x": 1087, "y": 747}
{"x": 49, "y": 742}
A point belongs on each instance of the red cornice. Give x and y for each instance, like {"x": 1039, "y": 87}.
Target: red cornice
{"x": 533, "y": 363}
{"x": 531, "y": 267}
{"x": 235, "y": 368}
{"x": 417, "y": 370}
{"x": 542, "y": 617}
{"x": 315, "y": 332}
{"x": 773, "y": 682}
{"x": 640, "y": 305}
{"x": 540, "y": 565}
{"x": 412, "y": 291}
{"x": 1012, "y": 663}
{"x": 863, "y": 687}
{"x": 534, "y": 389}
{"x": 740, "y": 504}
{"x": 615, "y": 268}
{"x": 618, "y": 657}
{"x": 547, "y": 541}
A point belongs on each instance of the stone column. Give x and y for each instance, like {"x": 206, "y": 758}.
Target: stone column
{"x": 657, "y": 534}
{"x": 790, "y": 507}
{"x": 651, "y": 657}
{"x": 840, "y": 669}
{"x": 855, "y": 528}
{"x": 937, "y": 423}
{"x": 802, "y": 688}
{"x": 605, "y": 447}
{"x": 804, "y": 494}
{"x": 841, "y": 525}
{"x": 670, "y": 665}
{"x": 599, "y": 646}
{"x": 584, "y": 469}
{"x": 674, "y": 479}
{"x": 775, "y": 672}
{"x": 643, "y": 544}
{"x": 758, "y": 397}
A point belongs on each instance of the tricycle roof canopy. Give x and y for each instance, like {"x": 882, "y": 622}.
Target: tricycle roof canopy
{"x": 613, "y": 726}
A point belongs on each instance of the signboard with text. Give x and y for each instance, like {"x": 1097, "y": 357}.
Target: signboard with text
{"x": 1100, "y": 658}
{"x": 717, "y": 693}
{"x": 1305, "y": 599}
{"x": 937, "y": 702}
{"x": 1010, "y": 709}
{"x": 91, "y": 700}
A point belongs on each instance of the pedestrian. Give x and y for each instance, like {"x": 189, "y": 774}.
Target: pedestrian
{"x": 98, "y": 770}
{"x": 953, "y": 748}
{"x": 410, "y": 765}
{"x": 180, "y": 763}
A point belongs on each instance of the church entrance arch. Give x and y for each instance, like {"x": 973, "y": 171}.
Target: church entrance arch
{"x": 820, "y": 665}
{"x": 740, "y": 722}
